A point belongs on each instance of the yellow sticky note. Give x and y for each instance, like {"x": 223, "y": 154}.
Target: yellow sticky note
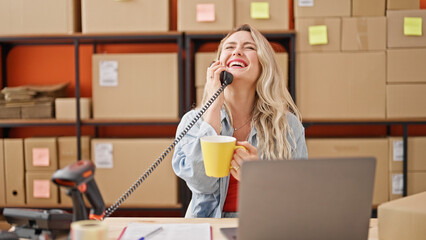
{"x": 259, "y": 10}
{"x": 413, "y": 26}
{"x": 206, "y": 12}
{"x": 41, "y": 188}
{"x": 318, "y": 35}
{"x": 41, "y": 157}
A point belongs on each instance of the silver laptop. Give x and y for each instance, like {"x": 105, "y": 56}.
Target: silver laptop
{"x": 306, "y": 199}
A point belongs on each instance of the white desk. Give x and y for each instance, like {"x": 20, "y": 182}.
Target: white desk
{"x": 116, "y": 225}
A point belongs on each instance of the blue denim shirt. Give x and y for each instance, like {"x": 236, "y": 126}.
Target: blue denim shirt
{"x": 209, "y": 193}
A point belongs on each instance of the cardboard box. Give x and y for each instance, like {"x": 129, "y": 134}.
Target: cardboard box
{"x": 416, "y": 147}
{"x": 205, "y": 15}
{"x": 405, "y": 101}
{"x": 396, "y": 29}
{"x": 65, "y": 108}
{"x": 366, "y": 8}
{"x": 416, "y": 182}
{"x": 323, "y": 8}
{"x": 38, "y": 109}
{"x": 40, "y": 188}
{"x": 10, "y": 112}
{"x": 135, "y": 86}
{"x": 14, "y": 171}
{"x": 41, "y": 154}
{"x": 364, "y": 34}
{"x": 199, "y": 91}
{"x": 2, "y": 177}
{"x": 366, "y": 147}
{"x": 39, "y": 17}
{"x": 269, "y": 15}
{"x": 403, "y": 4}
{"x": 333, "y": 34}
{"x": 99, "y": 16}
{"x": 342, "y": 86}
{"x": 406, "y": 65}
{"x": 120, "y": 162}
{"x": 67, "y": 150}
{"x": 403, "y": 218}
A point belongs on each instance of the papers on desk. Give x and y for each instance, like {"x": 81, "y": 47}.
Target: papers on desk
{"x": 135, "y": 231}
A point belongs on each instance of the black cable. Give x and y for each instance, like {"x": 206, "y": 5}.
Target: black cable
{"x": 157, "y": 162}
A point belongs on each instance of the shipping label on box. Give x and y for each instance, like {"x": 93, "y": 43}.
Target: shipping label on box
{"x": 14, "y": 171}
{"x": 125, "y": 16}
{"x": 365, "y": 147}
{"x": 270, "y": 15}
{"x": 364, "y": 34}
{"x": 41, "y": 154}
{"x": 406, "y": 28}
{"x": 358, "y": 81}
{"x": 318, "y": 34}
{"x": 322, "y": 8}
{"x": 204, "y": 15}
{"x": 40, "y": 189}
{"x": 147, "y": 87}
{"x": 131, "y": 158}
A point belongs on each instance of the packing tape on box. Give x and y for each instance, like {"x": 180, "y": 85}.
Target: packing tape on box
{"x": 89, "y": 230}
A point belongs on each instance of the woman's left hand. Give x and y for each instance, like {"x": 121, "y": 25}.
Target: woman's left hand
{"x": 240, "y": 155}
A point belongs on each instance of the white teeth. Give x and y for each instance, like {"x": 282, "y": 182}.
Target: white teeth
{"x": 236, "y": 63}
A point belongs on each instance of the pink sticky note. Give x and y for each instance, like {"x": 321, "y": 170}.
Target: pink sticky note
{"x": 205, "y": 12}
{"x": 41, "y": 157}
{"x": 41, "y": 188}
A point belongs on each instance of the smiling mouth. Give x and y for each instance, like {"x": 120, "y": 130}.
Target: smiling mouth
{"x": 237, "y": 64}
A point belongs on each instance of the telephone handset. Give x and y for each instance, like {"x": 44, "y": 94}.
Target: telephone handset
{"x": 226, "y": 78}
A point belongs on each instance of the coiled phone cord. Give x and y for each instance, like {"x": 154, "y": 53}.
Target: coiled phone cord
{"x": 157, "y": 162}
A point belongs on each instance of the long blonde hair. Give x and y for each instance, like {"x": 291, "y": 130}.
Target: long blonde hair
{"x": 272, "y": 101}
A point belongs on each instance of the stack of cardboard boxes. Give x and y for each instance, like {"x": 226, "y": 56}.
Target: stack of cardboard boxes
{"x": 355, "y": 63}
{"x": 224, "y": 15}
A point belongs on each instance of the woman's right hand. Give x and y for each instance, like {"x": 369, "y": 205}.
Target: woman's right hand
{"x": 212, "y": 115}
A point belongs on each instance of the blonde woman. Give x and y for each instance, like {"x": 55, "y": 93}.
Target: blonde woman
{"x": 256, "y": 109}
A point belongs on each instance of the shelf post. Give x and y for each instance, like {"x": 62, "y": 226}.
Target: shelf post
{"x": 77, "y": 96}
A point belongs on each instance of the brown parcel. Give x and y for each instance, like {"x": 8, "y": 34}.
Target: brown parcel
{"x": 187, "y": 16}
{"x": 402, "y": 4}
{"x": 2, "y": 177}
{"x": 65, "y": 108}
{"x": 416, "y": 183}
{"x": 364, "y": 147}
{"x": 147, "y": 87}
{"x": 40, "y": 189}
{"x": 406, "y": 65}
{"x": 396, "y": 37}
{"x": 344, "y": 86}
{"x": 41, "y": 154}
{"x": 363, "y": 33}
{"x": 333, "y": 34}
{"x": 14, "y": 171}
{"x": 403, "y": 218}
{"x": 367, "y": 8}
{"x": 131, "y": 158}
{"x": 405, "y": 101}
{"x": 101, "y": 16}
{"x": 324, "y": 8}
{"x": 278, "y": 15}
{"x": 39, "y": 17}
{"x": 416, "y": 152}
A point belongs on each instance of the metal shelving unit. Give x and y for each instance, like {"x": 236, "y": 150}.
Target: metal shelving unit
{"x": 7, "y": 43}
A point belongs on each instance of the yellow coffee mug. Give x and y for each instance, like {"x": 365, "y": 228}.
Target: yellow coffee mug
{"x": 217, "y": 154}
